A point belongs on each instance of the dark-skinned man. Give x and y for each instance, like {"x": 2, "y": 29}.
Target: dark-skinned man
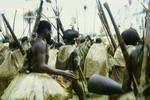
{"x": 37, "y": 84}
{"x": 68, "y": 59}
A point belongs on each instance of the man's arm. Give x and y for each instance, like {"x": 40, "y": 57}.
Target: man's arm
{"x": 46, "y": 69}
{"x": 39, "y": 65}
{"x": 77, "y": 59}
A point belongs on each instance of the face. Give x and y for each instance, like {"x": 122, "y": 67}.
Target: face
{"x": 47, "y": 35}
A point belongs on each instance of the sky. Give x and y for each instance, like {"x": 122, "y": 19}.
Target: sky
{"x": 88, "y": 21}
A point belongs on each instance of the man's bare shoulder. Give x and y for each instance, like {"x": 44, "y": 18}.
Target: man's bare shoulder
{"x": 38, "y": 44}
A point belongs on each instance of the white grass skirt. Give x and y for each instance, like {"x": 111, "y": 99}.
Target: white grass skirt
{"x": 34, "y": 86}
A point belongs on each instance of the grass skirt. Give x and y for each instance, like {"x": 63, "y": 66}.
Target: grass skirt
{"x": 9, "y": 68}
{"x": 34, "y": 86}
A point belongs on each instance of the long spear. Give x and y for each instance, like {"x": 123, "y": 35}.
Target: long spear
{"x": 38, "y": 17}
{"x": 120, "y": 40}
{"x": 13, "y": 34}
{"x": 14, "y": 20}
{"x": 57, "y": 15}
{"x": 144, "y": 77}
{"x": 105, "y": 23}
{"x": 58, "y": 21}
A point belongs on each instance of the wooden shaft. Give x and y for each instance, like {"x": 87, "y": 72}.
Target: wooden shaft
{"x": 12, "y": 33}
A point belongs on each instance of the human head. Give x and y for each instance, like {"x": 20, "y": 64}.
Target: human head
{"x": 130, "y": 36}
{"x": 44, "y": 30}
{"x": 98, "y": 40}
{"x": 69, "y": 36}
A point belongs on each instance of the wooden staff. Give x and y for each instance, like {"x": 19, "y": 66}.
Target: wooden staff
{"x": 105, "y": 23}
{"x": 13, "y": 34}
{"x": 144, "y": 77}
{"x": 60, "y": 25}
{"x": 58, "y": 21}
{"x": 58, "y": 38}
{"x": 14, "y": 20}
{"x": 38, "y": 17}
{"x": 120, "y": 40}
